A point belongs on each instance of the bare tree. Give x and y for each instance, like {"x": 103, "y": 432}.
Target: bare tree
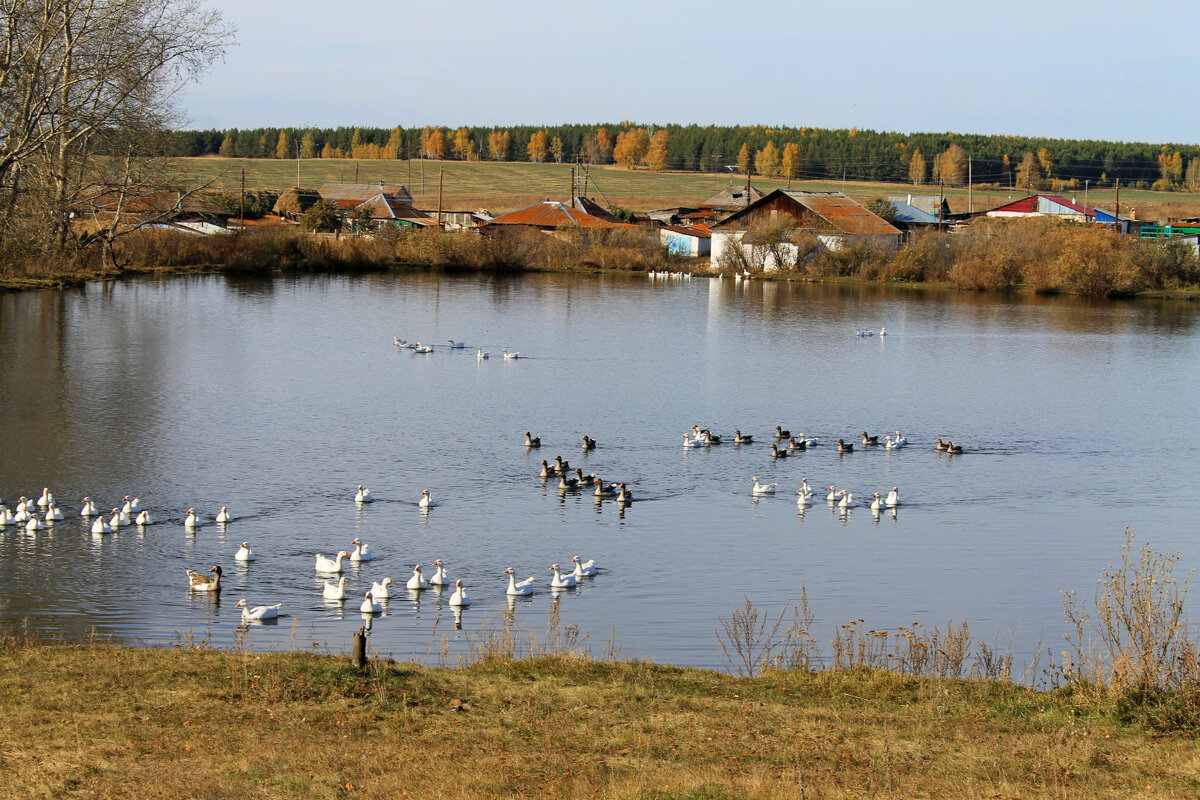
{"x": 80, "y": 77}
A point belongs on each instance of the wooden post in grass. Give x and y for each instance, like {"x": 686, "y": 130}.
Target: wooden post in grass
{"x": 359, "y": 658}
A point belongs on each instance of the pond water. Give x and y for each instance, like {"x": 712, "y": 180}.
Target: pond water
{"x": 276, "y": 398}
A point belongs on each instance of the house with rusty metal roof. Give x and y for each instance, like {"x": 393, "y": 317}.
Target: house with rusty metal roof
{"x": 773, "y": 232}
{"x": 345, "y": 196}
{"x": 686, "y": 240}
{"x": 387, "y": 209}
{"x": 732, "y": 198}
{"x": 152, "y": 208}
{"x": 580, "y": 212}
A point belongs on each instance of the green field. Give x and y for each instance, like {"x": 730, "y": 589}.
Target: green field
{"x": 504, "y": 186}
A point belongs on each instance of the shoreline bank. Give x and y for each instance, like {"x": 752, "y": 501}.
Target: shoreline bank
{"x": 238, "y": 723}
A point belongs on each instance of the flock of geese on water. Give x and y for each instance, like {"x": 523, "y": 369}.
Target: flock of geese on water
{"x": 36, "y": 515}
{"x": 480, "y": 353}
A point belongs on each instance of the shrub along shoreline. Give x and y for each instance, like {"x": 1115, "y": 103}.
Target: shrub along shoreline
{"x": 1039, "y": 256}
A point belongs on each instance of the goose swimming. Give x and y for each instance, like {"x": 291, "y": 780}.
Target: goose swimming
{"x": 847, "y": 500}
{"x": 143, "y": 517}
{"x": 224, "y": 516}
{"x": 588, "y": 442}
{"x": 518, "y": 588}
{"x": 334, "y": 590}
{"x": 803, "y": 499}
{"x": 869, "y": 439}
{"x": 101, "y": 526}
{"x": 738, "y": 438}
{"x": 797, "y": 444}
{"x": 893, "y": 498}
{"x": 780, "y": 433}
{"x": 244, "y": 553}
{"x": 761, "y": 488}
{"x": 777, "y": 453}
{"x": 361, "y": 551}
{"x": 457, "y": 345}
{"x": 416, "y": 582}
{"x": 363, "y": 495}
{"x": 624, "y": 495}
{"x": 480, "y": 354}
{"x": 532, "y": 441}
{"x": 440, "y": 578}
{"x": 89, "y": 508}
{"x": 583, "y": 569}
{"x": 326, "y": 564}
{"x": 561, "y": 581}
{"x": 844, "y": 447}
{"x": 369, "y": 606}
{"x": 426, "y": 500}
{"x": 199, "y": 582}
{"x": 380, "y": 588}
{"x": 460, "y": 598}
{"x": 258, "y": 613}
{"x": 191, "y": 520}
{"x": 510, "y": 356}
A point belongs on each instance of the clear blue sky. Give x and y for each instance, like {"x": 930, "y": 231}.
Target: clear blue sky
{"x": 1099, "y": 70}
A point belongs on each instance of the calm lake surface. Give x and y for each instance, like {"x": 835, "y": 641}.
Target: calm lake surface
{"x": 276, "y": 398}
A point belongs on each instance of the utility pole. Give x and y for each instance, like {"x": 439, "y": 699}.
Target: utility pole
{"x": 441, "y": 175}
{"x": 1117, "y": 213}
{"x": 1085, "y": 188}
{"x": 422, "y": 174}
{"x": 843, "y": 180}
{"x": 408, "y": 158}
{"x": 941, "y": 199}
{"x": 970, "y": 187}
{"x": 356, "y": 172}
{"x": 297, "y": 165}
{"x": 747, "y": 184}
{"x": 242, "y": 203}
{"x": 572, "y": 187}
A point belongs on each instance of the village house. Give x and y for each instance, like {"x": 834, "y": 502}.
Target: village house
{"x": 686, "y": 240}
{"x": 346, "y": 196}
{"x": 386, "y": 209}
{"x": 733, "y": 197}
{"x": 775, "y": 231}
{"x": 159, "y": 208}
{"x": 1044, "y": 205}
{"x": 550, "y": 215}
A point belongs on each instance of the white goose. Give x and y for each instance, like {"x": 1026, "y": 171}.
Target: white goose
{"x": 22, "y": 514}
{"x": 258, "y": 613}
{"x": 334, "y": 590}
{"x": 363, "y": 495}
{"x": 119, "y": 519}
{"x": 762, "y": 488}
{"x": 361, "y": 552}
{"x": 805, "y": 489}
{"x": 832, "y": 497}
{"x": 847, "y": 500}
{"x": 244, "y": 552}
{"x": 53, "y": 514}
{"x": 192, "y": 520}
{"x": 89, "y": 508}
{"x": 689, "y": 442}
{"x": 876, "y": 502}
{"x": 380, "y": 589}
{"x": 584, "y": 569}
{"x": 459, "y": 598}
{"x": 457, "y": 345}
{"x": 416, "y": 582}
{"x": 45, "y": 499}
{"x": 510, "y": 356}
{"x": 518, "y": 588}
{"x": 561, "y": 581}
{"x": 5, "y": 517}
{"x": 34, "y": 524}
{"x": 326, "y": 564}
{"x": 224, "y": 516}
{"x": 369, "y": 606}
{"x": 481, "y": 354}
{"x": 423, "y": 348}
{"x": 426, "y": 500}
{"x": 440, "y": 578}
{"x": 893, "y": 497}
{"x": 143, "y": 517}
{"x": 101, "y": 526}
{"x": 803, "y": 499}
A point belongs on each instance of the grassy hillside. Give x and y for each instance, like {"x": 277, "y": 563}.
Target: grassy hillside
{"x": 99, "y": 721}
{"x": 501, "y": 187}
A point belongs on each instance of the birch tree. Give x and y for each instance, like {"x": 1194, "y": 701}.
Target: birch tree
{"x": 78, "y": 76}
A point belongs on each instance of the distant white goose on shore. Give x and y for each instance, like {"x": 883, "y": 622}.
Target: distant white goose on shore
{"x": 460, "y": 598}
{"x": 258, "y": 613}
{"x": 762, "y": 488}
{"x": 518, "y": 588}
{"x": 363, "y": 495}
{"x": 326, "y": 564}
{"x": 244, "y": 553}
{"x": 334, "y": 590}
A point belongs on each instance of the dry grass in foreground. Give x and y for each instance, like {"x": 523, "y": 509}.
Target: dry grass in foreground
{"x": 104, "y": 721}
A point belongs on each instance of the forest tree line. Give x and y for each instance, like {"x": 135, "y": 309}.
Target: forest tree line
{"x": 799, "y": 153}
